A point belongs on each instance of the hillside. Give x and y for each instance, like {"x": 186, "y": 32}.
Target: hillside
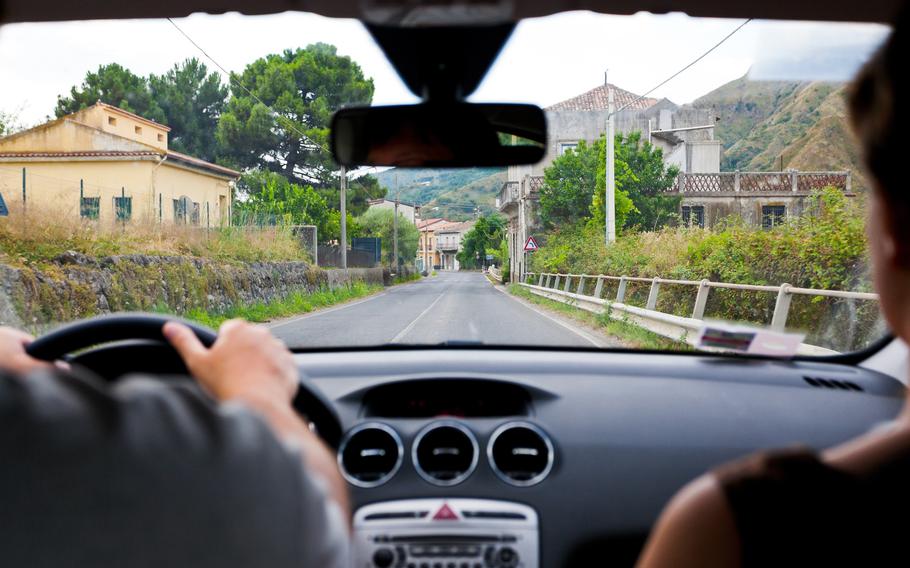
{"x": 773, "y": 125}
{"x": 449, "y": 193}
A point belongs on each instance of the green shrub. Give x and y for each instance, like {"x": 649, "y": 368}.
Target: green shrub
{"x": 825, "y": 248}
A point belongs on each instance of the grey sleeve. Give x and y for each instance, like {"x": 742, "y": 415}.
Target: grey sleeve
{"x": 156, "y": 472}
{"x": 324, "y": 527}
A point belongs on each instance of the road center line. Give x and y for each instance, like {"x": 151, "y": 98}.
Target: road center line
{"x": 411, "y": 325}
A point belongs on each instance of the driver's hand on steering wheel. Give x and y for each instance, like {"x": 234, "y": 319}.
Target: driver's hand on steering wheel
{"x": 12, "y": 352}
{"x": 248, "y": 364}
{"x": 245, "y": 362}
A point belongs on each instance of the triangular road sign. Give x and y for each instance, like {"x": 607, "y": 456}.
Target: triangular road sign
{"x": 531, "y": 244}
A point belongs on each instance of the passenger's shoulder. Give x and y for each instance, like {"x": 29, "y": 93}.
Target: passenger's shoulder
{"x": 697, "y": 528}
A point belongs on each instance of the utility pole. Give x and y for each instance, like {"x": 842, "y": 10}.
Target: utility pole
{"x": 344, "y": 219}
{"x": 395, "y": 226}
{"x": 610, "y": 213}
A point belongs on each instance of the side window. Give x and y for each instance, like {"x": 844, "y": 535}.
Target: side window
{"x": 563, "y": 146}
{"x": 90, "y": 207}
{"x": 772, "y": 216}
{"x": 182, "y": 210}
{"x": 123, "y": 208}
{"x": 693, "y": 216}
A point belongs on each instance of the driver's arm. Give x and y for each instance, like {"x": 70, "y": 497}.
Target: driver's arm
{"x": 247, "y": 364}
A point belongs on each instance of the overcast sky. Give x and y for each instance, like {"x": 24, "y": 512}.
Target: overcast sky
{"x": 547, "y": 59}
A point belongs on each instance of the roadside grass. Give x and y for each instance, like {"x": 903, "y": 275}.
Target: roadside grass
{"x": 292, "y": 304}
{"x": 409, "y": 278}
{"x": 42, "y": 234}
{"x": 434, "y": 273}
{"x": 632, "y": 335}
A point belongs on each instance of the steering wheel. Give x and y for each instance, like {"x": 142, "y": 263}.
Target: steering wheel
{"x": 116, "y": 344}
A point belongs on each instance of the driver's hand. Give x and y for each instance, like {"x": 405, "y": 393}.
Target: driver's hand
{"x": 245, "y": 362}
{"x": 12, "y": 352}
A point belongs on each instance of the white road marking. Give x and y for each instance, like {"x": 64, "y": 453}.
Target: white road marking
{"x": 411, "y": 325}
{"x": 326, "y": 311}
{"x": 574, "y": 330}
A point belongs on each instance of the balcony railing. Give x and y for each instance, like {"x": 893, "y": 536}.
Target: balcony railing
{"x": 735, "y": 183}
{"x": 508, "y": 194}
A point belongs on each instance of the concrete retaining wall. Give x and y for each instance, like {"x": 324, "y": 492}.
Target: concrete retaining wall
{"x": 76, "y": 286}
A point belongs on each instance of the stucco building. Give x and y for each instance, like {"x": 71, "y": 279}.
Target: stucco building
{"x": 409, "y": 211}
{"x": 108, "y": 164}
{"x": 685, "y": 136}
{"x": 448, "y": 238}
{"x": 428, "y": 257}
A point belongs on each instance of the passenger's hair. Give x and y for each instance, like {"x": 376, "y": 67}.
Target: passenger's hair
{"x": 881, "y": 120}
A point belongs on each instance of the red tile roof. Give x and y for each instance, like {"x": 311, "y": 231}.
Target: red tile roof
{"x": 598, "y": 99}
{"x": 176, "y": 156}
{"x": 202, "y": 164}
{"x": 89, "y": 154}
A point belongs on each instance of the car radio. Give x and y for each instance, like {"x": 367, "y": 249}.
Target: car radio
{"x": 445, "y": 533}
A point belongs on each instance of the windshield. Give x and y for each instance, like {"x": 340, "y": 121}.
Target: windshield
{"x": 701, "y": 189}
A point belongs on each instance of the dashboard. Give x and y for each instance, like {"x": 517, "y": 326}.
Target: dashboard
{"x": 467, "y": 458}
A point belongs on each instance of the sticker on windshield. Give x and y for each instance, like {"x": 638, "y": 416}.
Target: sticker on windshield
{"x": 749, "y": 340}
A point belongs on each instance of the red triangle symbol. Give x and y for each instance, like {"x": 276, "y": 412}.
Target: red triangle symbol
{"x": 445, "y": 513}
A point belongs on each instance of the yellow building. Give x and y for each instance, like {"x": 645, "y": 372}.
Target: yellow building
{"x": 109, "y": 164}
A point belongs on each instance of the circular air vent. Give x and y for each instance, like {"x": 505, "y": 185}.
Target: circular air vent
{"x": 370, "y": 454}
{"x": 520, "y": 453}
{"x": 445, "y": 453}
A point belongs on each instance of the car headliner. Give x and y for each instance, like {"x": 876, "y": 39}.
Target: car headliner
{"x": 449, "y": 11}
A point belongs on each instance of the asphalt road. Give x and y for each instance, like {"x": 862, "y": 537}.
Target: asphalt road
{"x": 450, "y": 307}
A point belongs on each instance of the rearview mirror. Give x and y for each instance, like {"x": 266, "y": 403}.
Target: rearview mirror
{"x": 439, "y": 135}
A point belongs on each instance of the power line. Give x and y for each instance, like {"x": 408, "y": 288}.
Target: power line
{"x": 675, "y": 75}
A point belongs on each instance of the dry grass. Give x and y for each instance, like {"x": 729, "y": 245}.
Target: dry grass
{"x": 43, "y": 234}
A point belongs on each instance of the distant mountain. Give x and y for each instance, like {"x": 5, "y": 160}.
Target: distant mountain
{"x": 774, "y": 125}
{"x": 449, "y": 193}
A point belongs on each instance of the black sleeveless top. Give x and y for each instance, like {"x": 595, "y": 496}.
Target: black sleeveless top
{"x": 792, "y": 509}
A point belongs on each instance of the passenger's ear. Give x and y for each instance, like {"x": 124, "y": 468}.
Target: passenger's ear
{"x": 889, "y": 247}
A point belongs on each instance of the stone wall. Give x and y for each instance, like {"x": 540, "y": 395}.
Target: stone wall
{"x": 76, "y": 286}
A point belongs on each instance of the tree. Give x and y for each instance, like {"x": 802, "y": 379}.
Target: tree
{"x": 9, "y": 123}
{"x": 574, "y": 186}
{"x": 114, "y": 85}
{"x": 645, "y": 178}
{"x": 568, "y": 194}
{"x": 304, "y": 87}
{"x": 378, "y": 222}
{"x": 192, "y": 100}
{"x": 484, "y": 238}
{"x": 569, "y": 185}
{"x": 358, "y": 195}
{"x": 623, "y": 205}
{"x": 268, "y": 198}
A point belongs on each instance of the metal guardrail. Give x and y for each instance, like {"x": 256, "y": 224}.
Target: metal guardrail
{"x": 571, "y": 287}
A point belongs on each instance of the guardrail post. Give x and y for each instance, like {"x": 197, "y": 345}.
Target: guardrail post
{"x": 794, "y": 181}
{"x": 701, "y": 300}
{"x": 581, "y": 285}
{"x": 556, "y": 283}
{"x": 568, "y": 282}
{"x": 736, "y": 180}
{"x": 540, "y": 280}
{"x": 848, "y": 184}
{"x": 598, "y": 288}
{"x": 652, "y": 297}
{"x": 781, "y": 308}
{"x": 621, "y": 291}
